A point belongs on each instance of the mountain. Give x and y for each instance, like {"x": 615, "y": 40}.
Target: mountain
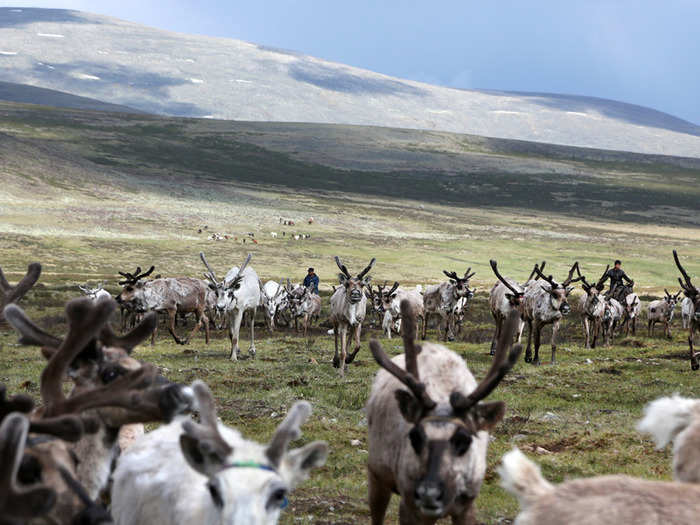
{"x": 11, "y": 92}
{"x": 169, "y": 73}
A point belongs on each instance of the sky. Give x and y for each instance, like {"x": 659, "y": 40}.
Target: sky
{"x": 644, "y": 52}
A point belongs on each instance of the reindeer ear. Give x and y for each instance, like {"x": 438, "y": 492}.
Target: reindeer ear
{"x": 487, "y": 415}
{"x": 200, "y": 456}
{"x": 342, "y": 278}
{"x": 298, "y": 463}
{"x": 366, "y": 280}
{"x": 410, "y": 408}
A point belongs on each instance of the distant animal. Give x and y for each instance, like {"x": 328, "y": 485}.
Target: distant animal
{"x": 429, "y": 427}
{"x": 94, "y": 293}
{"x": 273, "y": 235}
{"x": 440, "y": 300}
{"x": 687, "y": 311}
{"x": 692, "y": 293}
{"x": 306, "y": 306}
{"x": 593, "y": 308}
{"x": 274, "y": 299}
{"x": 236, "y": 294}
{"x": 661, "y": 311}
{"x": 311, "y": 220}
{"x": 612, "y": 317}
{"x": 348, "y": 310}
{"x": 546, "y": 303}
{"x": 388, "y": 304}
{"x": 633, "y": 309}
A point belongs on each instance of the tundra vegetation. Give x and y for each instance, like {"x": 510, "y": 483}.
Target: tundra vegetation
{"x": 89, "y": 194}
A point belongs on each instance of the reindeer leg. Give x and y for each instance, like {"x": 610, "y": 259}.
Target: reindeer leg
{"x": 343, "y": 349}
{"x": 424, "y": 328}
{"x": 251, "y": 350}
{"x": 555, "y": 333}
{"x": 586, "y": 331}
{"x": 650, "y": 328}
{"x": 351, "y": 357}
{"x": 197, "y": 326}
{"x": 206, "y": 327}
{"x": 379, "y": 496}
{"x": 171, "y": 326}
{"x": 528, "y": 350}
{"x": 496, "y": 333}
{"x": 336, "y": 357}
{"x": 694, "y": 358}
{"x": 234, "y": 329}
{"x": 537, "y": 335}
{"x": 634, "y": 326}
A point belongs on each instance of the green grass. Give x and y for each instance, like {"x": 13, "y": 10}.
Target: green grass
{"x": 88, "y": 194}
{"x": 595, "y": 405}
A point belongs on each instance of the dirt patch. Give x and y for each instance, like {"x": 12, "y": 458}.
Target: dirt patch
{"x": 612, "y": 371}
{"x": 562, "y": 444}
{"x": 634, "y": 343}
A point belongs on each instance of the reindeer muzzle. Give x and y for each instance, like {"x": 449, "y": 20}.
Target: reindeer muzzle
{"x": 355, "y": 296}
{"x": 565, "y": 309}
{"x": 430, "y": 498}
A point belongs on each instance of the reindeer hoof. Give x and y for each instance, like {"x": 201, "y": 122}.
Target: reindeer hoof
{"x": 336, "y": 362}
{"x": 536, "y": 362}
{"x": 351, "y": 357}
{"x": 492, "y": 352}
{"x": 528, "y": 358}
{"x": 251, "y": 351}
{"x": 695, "y": 366}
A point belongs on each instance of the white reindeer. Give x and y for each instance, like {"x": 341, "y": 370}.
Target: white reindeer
{"x": 94, "y": 293}
{"x": 612, "y": 316}
{"x": 687, "y": 311}
{"x": 207, "y": 473}
{"x": 236, "y": 294}
{"x": 388, "y": 304}
{"x": 440, "y": 299}
{"x": 274, "y": 299}
{"x": 661, "y": 311}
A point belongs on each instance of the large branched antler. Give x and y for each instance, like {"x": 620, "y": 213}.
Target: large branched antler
{"x": 688, "y": 286}
{"x": 517, "y": 295}
{"x": 468, "y": 275}
{"x": 210, "y": 275}
{"x": 505, "y": 358}
{"x": 17, "y": 502}
{"x": 600, "y": 284}
{"x": 11, "y": 294}
{"x": 410, "y": 376}
{"x": 570, "y": 278}
{"x": 533, "y": 273}
{"x": 133, "y": 278}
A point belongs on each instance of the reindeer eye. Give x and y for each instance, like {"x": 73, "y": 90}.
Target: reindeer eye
{"x": 460, "y": 441}
{"x": 417, "y": 437}
{"x": 110, "y": 374}
{"x": 278, "y": 499}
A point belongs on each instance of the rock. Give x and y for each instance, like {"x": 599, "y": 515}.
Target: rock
{"x": 541, "y": 451}
{"x": 550, "y": 416}
{"x": 355, "y": 442}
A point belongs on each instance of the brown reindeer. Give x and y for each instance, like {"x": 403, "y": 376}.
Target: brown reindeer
{"x": 171, "y": 295}
{"x": 12, "y": 294}
{"x": 593, "y": 309}
{"x": 348, "y": 310}
{"x": 692, "y": 293}
{"x": 428, "y": 432}
{"x": 440, "y": 299}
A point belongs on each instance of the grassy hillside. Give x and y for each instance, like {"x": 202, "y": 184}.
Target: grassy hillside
{"x": 89, "y": 193}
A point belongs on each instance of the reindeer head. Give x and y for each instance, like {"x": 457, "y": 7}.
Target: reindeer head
{"x": 227, "y": 293}
{"x": 671, "y": 300}
{"x": 559, "y": 293}
{"x": 688, "y": 287}
{"x": 460, "y": 285}
{"x": 132, "y": 293}
{"x": 354, "y": 285}
{"x": 631, "y": 305}
{"x": 593, "y": 290}
{"x": 441, "y": 437}
{"x": 248, "y": 482}
{"x": 383, "y": 298}
{"x": 273, "y": 302}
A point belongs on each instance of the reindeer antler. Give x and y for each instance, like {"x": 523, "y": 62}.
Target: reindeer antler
{"x": 239, "y": 276}
{"x": 133, "y": 278}
{"x": 206, "y": 432}
{"x": 467, "y": 275}
{"x": 599, "y": 285}
{"x": 367, "y": 269}
{"x": 11, "y": 294}
{"x": 503, "y": 362}
{"x": 547, "y": 278}
{"x": 570, "y": 278}
{"x": 688, "y": 286}
{"x": 393, "y": 289}
{"x": 342, "y": 267}
{"x": 287, "y": 431}
{"x": 408, "y": 377}
{"x": 210, "y": 274}
{"x": 17, "y": 502}
{"x": 494, "y": 267}
{"x": 534, "y": 272}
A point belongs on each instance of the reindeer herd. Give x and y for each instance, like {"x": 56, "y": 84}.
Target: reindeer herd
{"x": 85, "y": 457}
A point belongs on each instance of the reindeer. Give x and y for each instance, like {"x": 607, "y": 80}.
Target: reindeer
{"x": 593, "y": 308}
{"x": 94, "y": 293}
{"x": 691, "y": 292}
{"x": 612, "y": 316}
{"x": 614, "y": 500}
{"x": 546, "y": 303}
{"x": 208, "y": 474}
{"x": 387, "y": 303}
{"x": 440, "y": 299}
{"x": 273, "y": 295}
{"x": 306, "y": 306}
{"x": 102, "y": 360}
{"x": 348, "y": 310}
{"x": 506, "y": 296}
{"x": 12, "y": 294}
{"x": 237, "y": 293}
{"x": 428, "y": 441}
{"x": 170, "y": 295}
{"x": 633, "y": 309}
{"x": 662, "y": 311}
{"x": 687, "y": 311}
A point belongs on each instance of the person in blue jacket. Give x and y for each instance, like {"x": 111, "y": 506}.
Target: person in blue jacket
{"x": 311, "y": 281}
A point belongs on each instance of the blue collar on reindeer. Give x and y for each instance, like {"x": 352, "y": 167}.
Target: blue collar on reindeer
{"x": 255, "y": 465}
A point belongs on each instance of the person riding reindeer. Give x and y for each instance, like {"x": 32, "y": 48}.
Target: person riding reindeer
{"x": 618, "y": 289}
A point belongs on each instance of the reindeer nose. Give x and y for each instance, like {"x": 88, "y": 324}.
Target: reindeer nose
{"x": 565, "y": 309}
{"x": 430, "y": 495}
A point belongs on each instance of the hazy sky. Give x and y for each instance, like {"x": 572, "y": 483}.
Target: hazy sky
{"x": 644, "y": 52}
